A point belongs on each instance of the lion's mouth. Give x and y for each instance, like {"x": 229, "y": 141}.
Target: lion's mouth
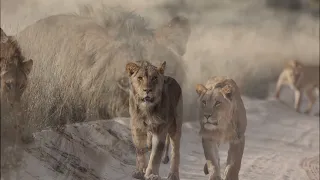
{"x": 211, "y": 125}
{"x": 215, "y": 123}
{"x": 148, "y": 99}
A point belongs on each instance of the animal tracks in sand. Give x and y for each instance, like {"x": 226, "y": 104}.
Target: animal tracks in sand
{"x": 268, "y": 166}
{"x": 311, "y": 166}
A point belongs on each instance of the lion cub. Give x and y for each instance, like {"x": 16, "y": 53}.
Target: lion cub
{"x": 300, "y": 78}
{"x": 155, "y": 107}
{"x": 222, "y": 118}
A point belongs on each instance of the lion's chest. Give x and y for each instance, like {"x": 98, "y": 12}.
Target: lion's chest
{"x": 152, "y": 123}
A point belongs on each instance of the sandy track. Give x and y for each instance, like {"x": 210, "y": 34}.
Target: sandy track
{"x": 278, "y": 142}
{"x": 311, "y": 166}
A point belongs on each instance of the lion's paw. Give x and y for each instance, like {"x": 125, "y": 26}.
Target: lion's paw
{"x": 215, "y": 177}
{"x": 138, "y": 175}
{"x": 173, "y": 176}
{"x": 153, "y": 177}
{"x": 165, "y": 160}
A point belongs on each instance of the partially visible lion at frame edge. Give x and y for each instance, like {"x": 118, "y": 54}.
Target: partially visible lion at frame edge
{"x": 78, "y": 70}
{"x": 300, "y": 78}
{"x": 223, "y": 119}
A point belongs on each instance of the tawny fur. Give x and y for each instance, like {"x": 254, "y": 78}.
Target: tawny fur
{"x": 222, "y": 117}
{"x": 155, "y": 109}
{"x": 300, "y": 78}
{"x": 14, "y": 72}
{"x": 79, "y": 72}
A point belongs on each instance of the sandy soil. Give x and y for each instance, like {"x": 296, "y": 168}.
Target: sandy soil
{"x": 281, "y": 145}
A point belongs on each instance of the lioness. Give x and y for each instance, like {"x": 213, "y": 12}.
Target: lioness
{"x": 14, "y": 70}
{"x": 300, "y": 78}
{"x": 14, "y": 73}
{"x": 222, "y": 117}
{"x": 155, "y": 106}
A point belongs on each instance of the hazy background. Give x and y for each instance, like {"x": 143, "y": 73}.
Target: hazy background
{"x": 248, "y": 40}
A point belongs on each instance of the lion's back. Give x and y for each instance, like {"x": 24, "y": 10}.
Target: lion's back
{"x": 68, "y": 36}
{"x": 311, "y": 75}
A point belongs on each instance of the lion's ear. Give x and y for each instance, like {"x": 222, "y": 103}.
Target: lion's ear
{"x": 175, "y": 34}
{"x": 131, "y": 68}
{"x": 201, "y": 89}
{"x": 227, "y": 92}
{"x": 4, "y": 37}
{"x": 162, "y": 67}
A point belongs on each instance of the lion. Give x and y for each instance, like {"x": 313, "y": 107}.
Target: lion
{"x": 14, "y": 71}
{"x": 155, "y": 105}
{"x": 14, "y": 75}
{"x": 80, "y": 76}
{"x": 222, "y": 117}
{"x": 300, "y": 78}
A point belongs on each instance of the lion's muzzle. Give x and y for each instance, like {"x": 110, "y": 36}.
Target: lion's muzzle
{"x": 209, "y": 123}
{"x": 148, "y": 99}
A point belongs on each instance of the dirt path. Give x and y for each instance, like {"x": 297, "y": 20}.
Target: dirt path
{"x": 311, "y": 166}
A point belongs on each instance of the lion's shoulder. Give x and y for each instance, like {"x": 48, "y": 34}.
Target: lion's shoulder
{"x": 172, "y": 90}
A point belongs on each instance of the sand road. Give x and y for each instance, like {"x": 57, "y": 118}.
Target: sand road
{"x": 281, "y": 145}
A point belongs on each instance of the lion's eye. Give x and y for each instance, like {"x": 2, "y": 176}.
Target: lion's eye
{"x": 217, "y": 103}
{"x": 154, "y": 78}
{"x": 139, "y": 78}
{"x": 204, "y": 103}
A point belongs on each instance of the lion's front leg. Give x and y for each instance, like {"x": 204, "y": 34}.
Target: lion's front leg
{"x": 175, "y": 138}
{"x": 279, "y": 86}
{"x": 234, "y": 159}
{"x": 139, "y": 137}
{"x": 165, "y": 158}
{"x": 149, "y": 140}
{"x": 158, "y": 142}
{"x": 211, "y": 153}
{"x": 297, "y": 100}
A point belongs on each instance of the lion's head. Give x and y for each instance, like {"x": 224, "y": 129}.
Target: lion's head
{"x": 293, "y": 69}
{"x": 217, "y": 103}
{"x": 14, "y": 70}
{"x": 146, "y": 82}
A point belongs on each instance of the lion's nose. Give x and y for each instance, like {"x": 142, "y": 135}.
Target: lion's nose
{"x": 147, "y": 90}
{"x": 207, "y": 116}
